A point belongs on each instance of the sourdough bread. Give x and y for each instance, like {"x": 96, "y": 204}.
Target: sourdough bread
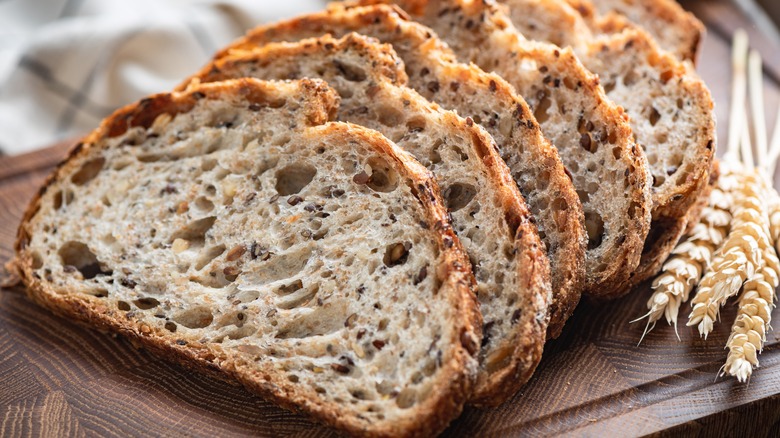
{"x": 671, "y": 113}
{"x": 591, "y": 133}
{"x": 435, "y": 73}
{"x": 232, "y": 229}
{"x": 488, "y": 212}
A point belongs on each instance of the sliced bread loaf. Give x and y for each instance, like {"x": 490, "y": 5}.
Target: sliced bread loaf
{"x": 671, "y": 112}
{"x": 435, "y": 73}
{"x": 232, "y": 229}
{"x": 675, "y": 29}
{"x": 591, "y": 133}
{"x": 488, "y": 212}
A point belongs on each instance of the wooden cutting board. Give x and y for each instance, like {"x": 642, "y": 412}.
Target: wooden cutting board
{"x": 57, "y": 378}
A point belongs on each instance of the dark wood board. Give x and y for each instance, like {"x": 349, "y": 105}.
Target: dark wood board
{"x": 57, "y": 378}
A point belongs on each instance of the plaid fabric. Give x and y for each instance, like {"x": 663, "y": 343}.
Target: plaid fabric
{"x": 66, "y": 64}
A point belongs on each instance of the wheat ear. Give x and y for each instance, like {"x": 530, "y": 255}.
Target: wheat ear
{"x": 748, "y": 333}
{"x": 741, "y": 254}
{"x": 681, "y": 273}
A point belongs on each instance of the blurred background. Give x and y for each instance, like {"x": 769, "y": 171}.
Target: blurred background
{"x": 66, "y": 64}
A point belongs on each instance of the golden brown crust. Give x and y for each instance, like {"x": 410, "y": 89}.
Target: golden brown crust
{"x": 451, "y": 391}
{"x": 526, "y": 342}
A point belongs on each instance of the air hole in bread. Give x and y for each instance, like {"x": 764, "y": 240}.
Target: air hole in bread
{"x": 151, "y": 158}
{"x": 170, "y": 326}
{"x": 123, "y": 306}
{"x": 609, "y": 86}
{"x": 208, "y": 163}
{"x": 77, "y": 256}
{"x": 652, "y": 158}
{"x": 543, "y": 180}
{"x": 195, "y": 232}
{"x": 383, "y": 178}
{"x": 658, "y": 180}
{"x": 540, "y": 112}
{"x": 242, "y": 332}
{"x": 459, "y": 195}
{"x": 220, "y": 173}
{"x": 350, "y": 72}
{"x": 406, "y": 399}
{"x": 37, "y": 260}
{"x": 434, "y": 157}
{"x": 247, "y": 296}
{"x": 661, "y": 137}
{"x": 617, "y": 153}
{"x": 594, "y": 224}
{"x": 88, "y": 171}
{"x": 146, "y": 303}
{"x": 630, "y": 78}
{"x": 390, "y": 116}
{"x": 290, "y": 288}
{"x": 62, "y": 198}
{"x": 292, "y": 378}
{"x": 293, "y": 178}
{"x": 462, "y": 155}
{"x": 653, "y": 115}
{"x": 682, "y": 176}
{"x": 208, "y": 255}
{"x": 416, "y": 124}
{"x": 396, "y": 254}
{"x": 195, "y": 317}
{"x": 203, "y": 204}
{"x": 298, "y": 298}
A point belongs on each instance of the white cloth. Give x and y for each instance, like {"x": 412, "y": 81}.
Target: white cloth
{"x": 66, "y": 64}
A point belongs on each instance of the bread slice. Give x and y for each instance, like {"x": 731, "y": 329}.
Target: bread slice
{"x": 675, "y": 29}
{"x": 591, "y": 133}
{"x": 671, "y": 112}
{"x": 435, "y": 73}
{"x": 488, "y": 212}
{"x": 230, "y": 228}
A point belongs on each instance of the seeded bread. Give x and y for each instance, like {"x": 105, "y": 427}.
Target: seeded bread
{"x": 591, "y": 133}
{"x": 671, "y": 112}
{"x": 435, "y": 73}
{"x": 488, "y": 212}
{"x": 224, "y": 228}
{"x": 671, "y": 109}
{"x": 675, "y": 29}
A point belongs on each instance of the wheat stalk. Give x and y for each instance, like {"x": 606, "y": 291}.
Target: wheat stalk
{"x": 740, "y": 256}
{"x": 748, "y": 333}
{"x": 682, "y": 271}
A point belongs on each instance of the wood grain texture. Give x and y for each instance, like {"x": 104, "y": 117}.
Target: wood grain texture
{"x": 60, "y": 379}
